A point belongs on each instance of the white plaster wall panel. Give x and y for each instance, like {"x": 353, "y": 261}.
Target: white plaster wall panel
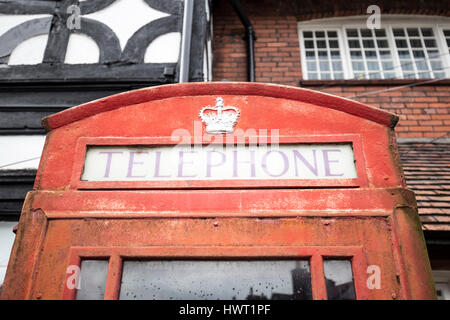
{"x": 8, "y": 22}
{"x": 30, "y": 51}
{"x": 82, "y": 49}
{"x": 6, "y": 243}
{"x": 205, "y": 65}
{"x": 20, "y": 152}
{"x": 165, "y": 48}
{"x": 125, "y": 17}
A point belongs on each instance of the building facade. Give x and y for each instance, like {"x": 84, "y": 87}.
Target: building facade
{"x": 402, "y": 67}
{"x": 62, "y": 53}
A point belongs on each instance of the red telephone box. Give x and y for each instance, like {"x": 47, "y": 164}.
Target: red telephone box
{"x": 220, "y": 190}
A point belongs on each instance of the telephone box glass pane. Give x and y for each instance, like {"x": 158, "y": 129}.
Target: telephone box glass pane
{"x": 92, "y": 280}
{"x": 212, "y": 280}
{"x": 339, "y": 280}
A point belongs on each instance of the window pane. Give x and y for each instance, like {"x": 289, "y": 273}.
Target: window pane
{"x": 447, "y": 38}
{"x": 415, "y": 43}
{"x": 372, "y": 65}
{"x": 92, "y": 280}
{"x": 212, "y": 280}
{"x": 382, "y": 44}
{"x": 430, "y": 43}
{"x": 404, "y": 54}
{"x": 321, "y": 49}
{"x": 407, "y": 65}
{"x": 310, "y": 55}
{"x": 436, "y": 65}
{"x": 333, "y": 44}
{"x": 321, "y": 44}
{"x": 412, "y": 44}
{"x": 320, "y": 34}
{"x": 339, "y": 280}
{"x": 337, "y": 66}
{"x": 385, "y": 55}
{"x": 356, "y": 54}
{"x": 312, "y": 66}
{"x": 401, "y": 43}
{"x": 433, "y": 54}
{"x": 332, "y": 34}
{"x": 376, "y": 41}
{"x": 399, "y": 32}
{"x": 309, "y": 44}
{"x": 421, "y": 65}
{"x": 352, "y": 33}
{"x": 427, "y": 32}
{"x": 358, "y": 65}
{"x": 413, "y": 32}
{"x": 371, "y": 54}
{"x": 380, "y": 33}
{"x": 418, "y": 54}
{"x": 368, "y": 44}
{"x": 324, "y": 66}
{"x": 323, "y": 55}
{"x": 366, "y": 33}
{"x": 387, "y": 65}
{"x": 353, "y": 43}
{"x": 335, "y": 54}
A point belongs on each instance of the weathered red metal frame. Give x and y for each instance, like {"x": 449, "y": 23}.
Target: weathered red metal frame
{"x": 375, "y": 214}
{"x": 220, "y": 88}
{"x": 315, "y": 254}
{"x": 84, "y": 142}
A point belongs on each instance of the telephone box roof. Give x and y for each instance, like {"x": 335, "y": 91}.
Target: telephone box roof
{"x": 218, "y": 88}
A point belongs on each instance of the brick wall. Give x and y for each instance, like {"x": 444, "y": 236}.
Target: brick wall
{"x": 423, "y": 109}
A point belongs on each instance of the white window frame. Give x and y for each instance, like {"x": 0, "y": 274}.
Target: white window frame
{"x": 388, "y": 22}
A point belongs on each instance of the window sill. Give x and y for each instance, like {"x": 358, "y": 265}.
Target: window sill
{"x": 366, "y": 82}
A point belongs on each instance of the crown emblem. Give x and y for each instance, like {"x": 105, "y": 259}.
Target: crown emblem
{"x": 221, "y": 120}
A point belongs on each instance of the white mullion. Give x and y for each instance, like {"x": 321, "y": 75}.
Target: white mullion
{"x": 413, "y": 59}
{"x": 443, "y": 49}
{"x": 377, "y": 51}
{"x": 363, "y": 52}
{"x": 395, "y": 56}
{"x": 425, "y": 51}
{"x": 329, "y": 55}
{"x": 316, "y": 54}
{"x": 345, "y": 53}
{"x": 302, "y": 49}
